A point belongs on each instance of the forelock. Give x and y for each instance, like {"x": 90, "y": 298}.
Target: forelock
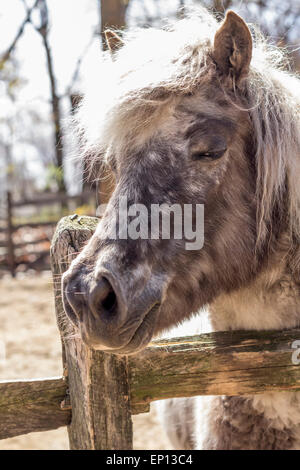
{"x": 153, "y": 69}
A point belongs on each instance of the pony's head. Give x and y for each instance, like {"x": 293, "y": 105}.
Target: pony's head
{"x": 191, "y": 117}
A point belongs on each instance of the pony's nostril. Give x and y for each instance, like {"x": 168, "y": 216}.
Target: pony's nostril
{"x": 110, "y": 302}
{"x": 107, "y": 298}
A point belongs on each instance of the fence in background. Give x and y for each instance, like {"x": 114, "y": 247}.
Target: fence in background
{"x": 8, "y": 227}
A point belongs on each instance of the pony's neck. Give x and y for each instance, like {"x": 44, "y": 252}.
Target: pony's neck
{"x": 270, "y": 301}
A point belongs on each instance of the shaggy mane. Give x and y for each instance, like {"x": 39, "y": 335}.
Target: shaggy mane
{"x": 155, "y": 67}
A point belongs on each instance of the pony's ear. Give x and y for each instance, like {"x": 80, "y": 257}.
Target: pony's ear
{"x": 233, "y": 47}
{"x": 114, "y": 42}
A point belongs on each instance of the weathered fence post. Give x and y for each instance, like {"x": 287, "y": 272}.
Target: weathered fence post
{"x": 98, "y": 382}
{"x": 10, "y": 231}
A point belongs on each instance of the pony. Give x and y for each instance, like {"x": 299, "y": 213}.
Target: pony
{"x": 199, "y": 112}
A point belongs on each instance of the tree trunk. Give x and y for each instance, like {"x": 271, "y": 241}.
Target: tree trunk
{"x": 56, "y": 115}
{"x": 55, "y": 99}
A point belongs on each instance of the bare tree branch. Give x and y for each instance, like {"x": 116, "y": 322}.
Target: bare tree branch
{"x": 77, "y": 67}
{"x": 27, "y": 19}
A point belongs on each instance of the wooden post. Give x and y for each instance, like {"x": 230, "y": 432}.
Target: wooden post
{"x": 10, "y": 230}
{"x": 98, "y": 382}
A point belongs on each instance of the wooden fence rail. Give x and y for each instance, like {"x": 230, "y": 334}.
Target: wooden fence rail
{"x": 106, "y": 390}
{"x": 55, "y": 198}
{"x": 223, "y": 363}
{"x": 31, "y": 406}
{"x": 10, "y": 227}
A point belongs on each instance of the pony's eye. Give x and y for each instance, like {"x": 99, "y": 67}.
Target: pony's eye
{"x": 208, "y": 156}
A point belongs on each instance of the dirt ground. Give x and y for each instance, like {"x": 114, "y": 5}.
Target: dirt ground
{"x": 30, "y": 340}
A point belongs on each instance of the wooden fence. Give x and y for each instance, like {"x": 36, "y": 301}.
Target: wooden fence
{"x": 98, "y": 392}
{"x": 9, "y": 228}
